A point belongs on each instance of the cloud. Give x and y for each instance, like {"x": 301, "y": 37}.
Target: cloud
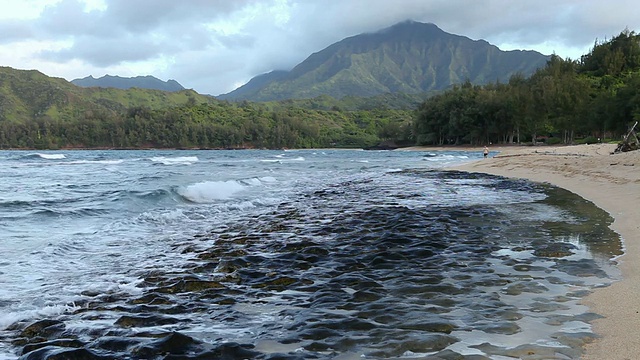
{"x": 12, "y": 31}
{"x": 213, "y": 45}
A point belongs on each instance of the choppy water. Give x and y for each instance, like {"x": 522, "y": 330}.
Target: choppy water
{"x": 290, "y": 254}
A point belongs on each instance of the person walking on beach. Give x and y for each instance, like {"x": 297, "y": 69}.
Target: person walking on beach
{"x": 485, "y": 151}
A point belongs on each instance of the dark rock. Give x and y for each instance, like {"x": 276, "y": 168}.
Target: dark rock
{"x": 502, "y": 327}
{"x": 430, "y": 326}
{"x": 115, "y": 344}
{"x": 152, "y": 299}
{"x": 319, "y": 333}
{"x": 425, "y": 344}
{"x": 56, "y": 353}
{"x": 44, "y": 328}
{"x": 183, "y": 286}
{"x": 128, "y": 321}
{"x": 366, "y": 296}
{"x": 555, "y": 250}
{"x": 526, "y": 287}
{"x": 175, "y": 343}
{"x": 230, "y": 351}
{"x": 69, "y": 343}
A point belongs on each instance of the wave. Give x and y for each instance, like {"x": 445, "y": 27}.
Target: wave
{"x": 105, "y": 162}
{"x": 43, "y": 156}
{"x": 211, "y": 191}
{"x": 180, "y": 160}
{"x": 281, "y": 159}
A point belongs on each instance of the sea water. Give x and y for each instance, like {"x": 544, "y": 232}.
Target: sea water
{"x": 301, "y": 253}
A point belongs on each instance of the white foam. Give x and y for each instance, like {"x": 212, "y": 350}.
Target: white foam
{"x": 52, "y": 156}
{"x": 268, "y": 179}
{"x": 180, "y": 160}
{"x": 210, "y": 191}
{"x": 46, "y": 311}
{"x": 163, "y": 217}
{"x": 251, "y": 182}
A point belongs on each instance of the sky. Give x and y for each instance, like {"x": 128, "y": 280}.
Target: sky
{"x": 214, "y": 46}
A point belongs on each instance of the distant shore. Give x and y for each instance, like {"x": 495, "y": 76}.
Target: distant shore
{"x": 612, "y": 182}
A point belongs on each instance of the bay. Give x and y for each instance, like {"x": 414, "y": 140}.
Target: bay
{"x": 300, "y": 253}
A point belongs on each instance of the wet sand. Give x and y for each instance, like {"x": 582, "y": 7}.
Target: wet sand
{"x": 612, "y": 182}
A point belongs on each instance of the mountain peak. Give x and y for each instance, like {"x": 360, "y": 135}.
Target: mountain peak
{"x": 118, "y": 82}
{"x": 408, "y": 57}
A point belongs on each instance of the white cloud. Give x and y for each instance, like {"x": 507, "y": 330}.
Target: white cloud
{"x": 214, "y": 45}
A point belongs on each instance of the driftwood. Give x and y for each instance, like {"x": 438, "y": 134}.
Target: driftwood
{"x": 627, "y": 145}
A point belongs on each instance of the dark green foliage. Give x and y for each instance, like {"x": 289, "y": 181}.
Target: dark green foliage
{"x": 566, "y": 100}
{"x": 45, "y": 113}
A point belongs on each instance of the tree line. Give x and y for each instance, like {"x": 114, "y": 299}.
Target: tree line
{"x": 219, "y": 125}
{"x": 595, "y": 97}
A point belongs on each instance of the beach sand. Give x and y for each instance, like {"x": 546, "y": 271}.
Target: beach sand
{"x": 612, "y": 182}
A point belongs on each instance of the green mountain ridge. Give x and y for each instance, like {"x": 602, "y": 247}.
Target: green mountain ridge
{"x": 30, "y": 94}
{"x": 409, "y": 57}
{"x": 118, "y": 82}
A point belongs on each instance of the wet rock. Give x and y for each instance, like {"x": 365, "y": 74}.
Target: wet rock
{"x": 555, "y": 250}
{"x": 152, "y": 299}
{"x": 582, "y": 268}
{"x": 289, "y": 357}
{"x": 425, "y": 344}
{"x": 366, "y": 296}
{"x": 319, "y": 333}
{"x": 529, "y": 351}
{"x": 452, "y": 355}
{"x": 183, "y": 286}
{"x": 229, "y": 351}
{"x": 575, "y": 340}
{"x": 115, "y": 344}
{"x": 317, "y": 346}
{"x": 546, "y": 307}
{"x": 57, "y": 353}
{"x": 503, "y": 327}
{"x": 525, "y": 287}
{"x": 175, "y": 343}
{"x": 68, "y": 343}
{"x": 433, "y": 326}
{"x": 278, "y": 284}
{"x": 129, "y": 321}
{"x": 528, "y": 267}
{"x": 44, "y": 328}
{"x": 346, "y": 325}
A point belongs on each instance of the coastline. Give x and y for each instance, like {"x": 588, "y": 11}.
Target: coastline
{"x": 611, "y": 182}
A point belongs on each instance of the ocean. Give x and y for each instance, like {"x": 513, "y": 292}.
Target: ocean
{"x": 296, "y": 254}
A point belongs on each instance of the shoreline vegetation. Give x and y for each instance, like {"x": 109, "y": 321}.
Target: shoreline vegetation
{"x": 611, "y": 182}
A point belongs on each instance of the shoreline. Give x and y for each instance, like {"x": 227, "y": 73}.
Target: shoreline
{"x": 611, "y": 182}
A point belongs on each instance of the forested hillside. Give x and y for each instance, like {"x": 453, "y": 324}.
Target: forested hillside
{"x": 37, "y": 111}
{"x": 594, "y": 97}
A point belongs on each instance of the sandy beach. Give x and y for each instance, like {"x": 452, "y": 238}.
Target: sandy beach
{"x": 612, "y": 182}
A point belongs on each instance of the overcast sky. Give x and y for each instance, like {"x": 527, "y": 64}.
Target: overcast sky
{"x": 214, "y": 46}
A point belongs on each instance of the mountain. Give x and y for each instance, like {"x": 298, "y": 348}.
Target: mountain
{"x": 142, "y": 82}
{"x": 29, "y": 94}
{"x": 409, "y": 57}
